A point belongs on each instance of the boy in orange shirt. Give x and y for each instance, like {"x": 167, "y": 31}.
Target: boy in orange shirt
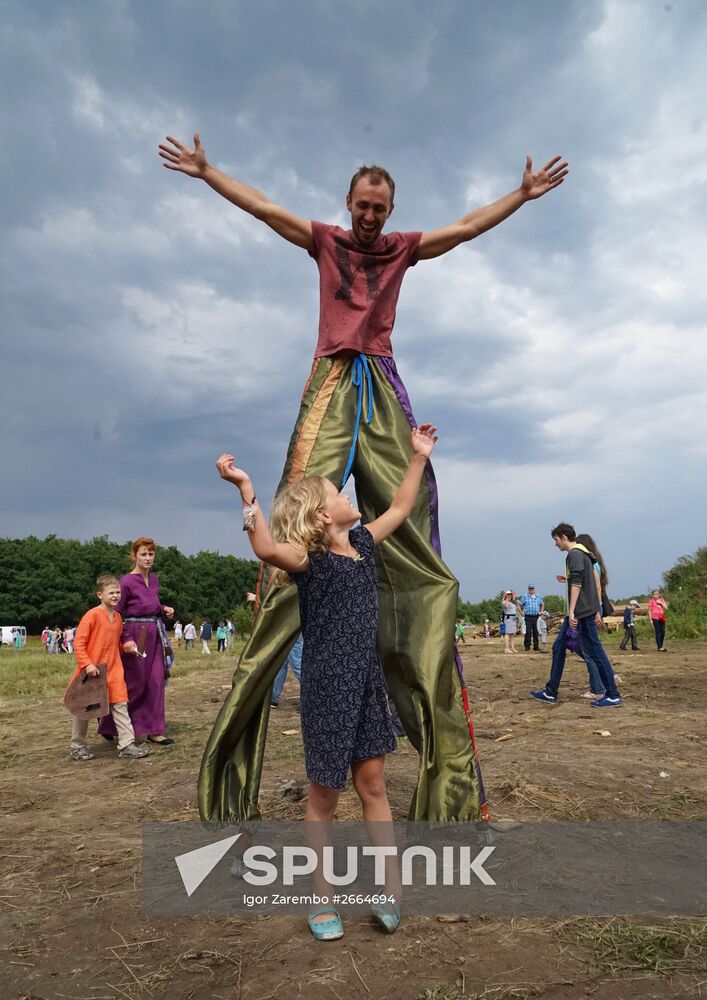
{"x": 97, "y": 640}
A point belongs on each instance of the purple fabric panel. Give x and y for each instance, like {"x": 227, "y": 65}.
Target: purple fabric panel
{"x": 389, "y": 369}
{"x": 391, "y": 373}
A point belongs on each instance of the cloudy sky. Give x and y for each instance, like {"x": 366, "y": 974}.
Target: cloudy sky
{"x": 147, "y": 324}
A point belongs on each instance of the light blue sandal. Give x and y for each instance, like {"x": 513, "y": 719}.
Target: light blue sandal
{"x": 330, "y": 929}
{"x": 387, "y": 915}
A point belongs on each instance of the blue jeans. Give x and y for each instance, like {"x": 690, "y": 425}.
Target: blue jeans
{"x": 659, "y": 626}
{"x": 293, "y": 660}
{"x": 596, "y": 685}
{"x": 593, "y": 653}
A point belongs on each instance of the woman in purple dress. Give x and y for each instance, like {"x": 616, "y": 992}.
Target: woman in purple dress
{"x": 146, "y": 671}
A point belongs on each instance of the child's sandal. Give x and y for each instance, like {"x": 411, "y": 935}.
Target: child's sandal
{"x": 388, "y": 920}
{"x": 81, "y": 753}
{"x": 133, "y": 751}
{"x": 330, "y": 929}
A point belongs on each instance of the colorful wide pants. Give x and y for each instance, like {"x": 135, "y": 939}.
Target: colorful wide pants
{"x": 417, "y": 595}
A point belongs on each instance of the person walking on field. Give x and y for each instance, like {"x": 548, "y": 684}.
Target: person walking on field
{"x": 205, "y": 633}
{"x": 657, "y": 606}
{"x": 98, "y": 640}
{"x": 584, "y": 614}
{"x": 189, "y": 635}
{"x": 147, "y": 669}
{"x": 630, "y": 626}
{"x": 601, "y": 578}
{"x": 355, "y": 418}
{"x": 542, "y": 631}
{"x": 531, "y": 606}
{"x": 294, "y": 660}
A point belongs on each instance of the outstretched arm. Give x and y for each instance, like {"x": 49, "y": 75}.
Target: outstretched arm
{"x": 193, "y": 162}
{"x": 424, "y": 439}
{"x": 534, "y": 185}
{"x": 278, "y": 554}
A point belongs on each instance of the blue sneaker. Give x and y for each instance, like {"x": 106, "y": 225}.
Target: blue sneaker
{"x": 544, "y": 696}
{"x": 607, "y": 703}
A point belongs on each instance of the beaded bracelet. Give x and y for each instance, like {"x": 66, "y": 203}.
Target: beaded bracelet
{"x": 249, "y": 512}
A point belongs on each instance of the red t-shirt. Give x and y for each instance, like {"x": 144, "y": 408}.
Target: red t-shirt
{"x": 359, "y": 288}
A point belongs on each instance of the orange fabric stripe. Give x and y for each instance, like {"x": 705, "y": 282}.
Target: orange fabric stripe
{"x": 312, "y": 423}
{"x": 311, "y": 375}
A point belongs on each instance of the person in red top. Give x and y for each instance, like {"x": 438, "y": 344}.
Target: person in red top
{"x": 97, "y": 641}
{"x": 657, "y": 606}
{"x": 355, "y": 417}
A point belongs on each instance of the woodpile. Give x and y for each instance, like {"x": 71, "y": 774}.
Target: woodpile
{"x": 612, "y": 623}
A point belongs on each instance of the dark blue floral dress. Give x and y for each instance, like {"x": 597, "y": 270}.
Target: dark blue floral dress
{"x": 343, "y": 696}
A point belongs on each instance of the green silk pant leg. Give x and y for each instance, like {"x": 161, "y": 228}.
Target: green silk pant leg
{"x": 231, "y": 767}
{"x": 418, "y": 604}
{"x": 229, "y": 779}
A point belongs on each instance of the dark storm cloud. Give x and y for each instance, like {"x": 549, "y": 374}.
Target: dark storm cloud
{"x": 147, "y": 324}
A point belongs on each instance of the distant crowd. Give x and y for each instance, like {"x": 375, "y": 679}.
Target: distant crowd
{"x": 58, "y": 640}
{"x": 61, "y": 640}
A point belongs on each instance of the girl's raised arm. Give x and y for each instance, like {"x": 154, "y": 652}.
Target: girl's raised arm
{"x": 423, "y": 439}
{"x": 279, "y": 554}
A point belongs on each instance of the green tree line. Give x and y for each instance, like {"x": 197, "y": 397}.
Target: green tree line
{"x": 52, "y": 581}
{"x": 686, "y": 593}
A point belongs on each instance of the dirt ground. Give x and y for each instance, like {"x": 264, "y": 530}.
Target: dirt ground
{"x": 72, "y": 923}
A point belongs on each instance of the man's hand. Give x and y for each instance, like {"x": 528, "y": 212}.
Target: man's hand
{"x": 599, "y": 621}
{"x": 228, "y": 471}
{"x": 179, "y": 157}
{"x": 535, "y": 184}
{"x": 92, "y": 670}
{"x": 574, "y": 622}
{"x": 424, "y": 438}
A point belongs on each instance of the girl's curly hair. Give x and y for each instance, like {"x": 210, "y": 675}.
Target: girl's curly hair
{"x": 293, "y": 519}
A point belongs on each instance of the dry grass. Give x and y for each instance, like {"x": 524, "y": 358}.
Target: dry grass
{"x": 621, "y": 946}
{"x": 550, "y": 802}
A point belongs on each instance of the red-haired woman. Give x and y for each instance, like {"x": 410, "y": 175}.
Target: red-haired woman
{"x": 146, "y": 671}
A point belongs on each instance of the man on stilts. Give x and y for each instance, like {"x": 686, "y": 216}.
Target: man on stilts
{"x": 355, "y": 418}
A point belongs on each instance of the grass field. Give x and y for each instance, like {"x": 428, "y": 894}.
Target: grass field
{"x": 72, "y": 923}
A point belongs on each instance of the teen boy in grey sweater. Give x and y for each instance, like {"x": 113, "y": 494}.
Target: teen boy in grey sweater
{"x": 584, "y": 610}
